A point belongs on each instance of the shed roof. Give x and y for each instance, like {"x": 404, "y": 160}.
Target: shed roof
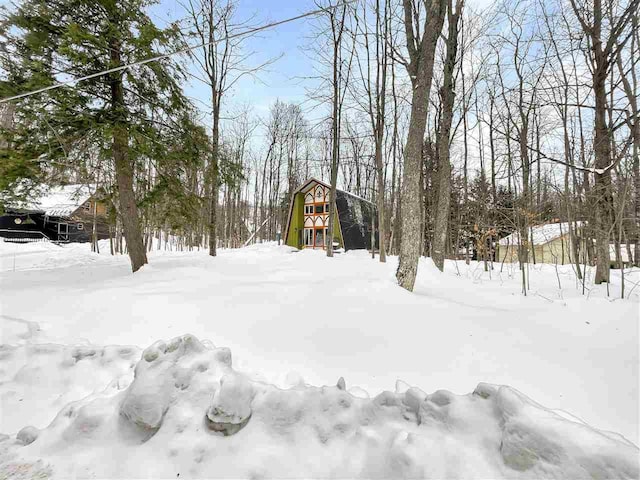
{"x": 539, "y": 234}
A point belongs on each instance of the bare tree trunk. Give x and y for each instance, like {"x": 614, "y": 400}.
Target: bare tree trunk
{"x": 213, "y": 179}
{"x": 631, "y": 91}
{"x": 394, "y": 143}
{"x": 111, "y": 246}
{"x": 214, "y": 23}
{"x": 420, "y": 69}
{"x": 447, "y": 96}
{"x": 337, "y": 29}
{"x": 492, "y": 150}
{"x": 602, "y": 185}
{"x": 380, "y": 197}
{"x": 602, "y": 57}
{"x": 94, "y": 229}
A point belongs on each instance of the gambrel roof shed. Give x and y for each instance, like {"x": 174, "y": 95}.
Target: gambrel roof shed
{"x": 307, "y": 223}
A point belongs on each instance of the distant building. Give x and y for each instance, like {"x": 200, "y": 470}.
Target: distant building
{"x": 550, "y": 243}
{"x": 62, "y": 214}
{"x": 307, "y": 224}
{"x": 625, "y": 255}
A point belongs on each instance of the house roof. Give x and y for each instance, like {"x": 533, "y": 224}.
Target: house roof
{"x": 624, "y": 252}
{"x": 356, "y": 220}
{"x": 58, "y": 201}
{"x": 306, "y": 186}
{"x": 539, "y": 234}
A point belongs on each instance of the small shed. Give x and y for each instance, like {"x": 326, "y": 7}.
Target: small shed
{"x": 61, "y": 214}
{"x": 549, "y": 242}
{"x": 307, "y": 222}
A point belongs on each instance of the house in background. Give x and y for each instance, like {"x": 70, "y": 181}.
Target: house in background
{"x": 62, "y": 214}
{"x": 626, "y": 255}
{"x": 550, "y": 243}
{"x": 307, "y": 223}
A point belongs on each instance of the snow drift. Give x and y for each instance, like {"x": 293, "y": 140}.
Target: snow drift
{"x": 188, "y": 413}
{"x": 566, "y": 349}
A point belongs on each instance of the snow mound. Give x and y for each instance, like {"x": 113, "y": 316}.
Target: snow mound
{"x": 37, "y": 380}
{"x": 188, "y": 413}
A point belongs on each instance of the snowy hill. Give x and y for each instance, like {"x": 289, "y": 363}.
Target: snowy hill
{"x": 73, "y": 326}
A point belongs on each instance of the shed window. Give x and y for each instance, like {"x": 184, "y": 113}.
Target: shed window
{"x": 319, "y": 208}
{"x": 308, "y": 209}
{"x": 326, "y": 208}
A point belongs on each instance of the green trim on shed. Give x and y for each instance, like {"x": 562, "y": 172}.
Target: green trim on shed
{"x": 294, "y": 238}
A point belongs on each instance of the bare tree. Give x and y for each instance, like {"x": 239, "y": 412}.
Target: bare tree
{"x": 604, "y": 48}
{"x": 447, "y": 96}
{"x": 421, "y": 41}
{"x": 630, "y": 87}
{"x": 222, "y": 62}
{"x": 375, "y": 98}
{"x": 341, "y": 69}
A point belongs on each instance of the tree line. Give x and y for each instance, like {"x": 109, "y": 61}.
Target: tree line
{"x": 462, "y": 124}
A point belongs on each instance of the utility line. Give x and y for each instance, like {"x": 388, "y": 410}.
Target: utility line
{"x": 182, "y": 50}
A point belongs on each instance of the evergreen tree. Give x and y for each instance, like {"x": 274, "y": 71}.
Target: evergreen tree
{"x": 47, "y": 41}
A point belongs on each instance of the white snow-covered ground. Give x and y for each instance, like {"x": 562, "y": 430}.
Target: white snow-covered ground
{"x": 73, "y": 325}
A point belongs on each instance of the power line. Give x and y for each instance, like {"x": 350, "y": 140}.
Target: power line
{"x": 182, "y": 50}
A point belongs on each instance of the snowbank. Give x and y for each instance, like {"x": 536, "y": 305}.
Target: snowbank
{"x": 271, "y": 306}
{"x": 188, "y": 413}
{"x": 37, "y": 380}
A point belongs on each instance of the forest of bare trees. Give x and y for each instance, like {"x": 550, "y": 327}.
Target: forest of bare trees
{"x": 463, "y": 124}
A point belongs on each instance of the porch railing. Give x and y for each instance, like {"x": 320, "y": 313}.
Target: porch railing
{"x": 23, "y": 236}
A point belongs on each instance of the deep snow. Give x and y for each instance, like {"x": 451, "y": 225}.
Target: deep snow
{"x": 174, "y": 421}
{"x": 297, "y": 317}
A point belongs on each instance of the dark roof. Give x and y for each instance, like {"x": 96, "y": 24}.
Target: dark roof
{"x": 356, "y": 220}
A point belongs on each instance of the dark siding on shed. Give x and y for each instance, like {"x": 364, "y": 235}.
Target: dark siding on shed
{"x": 355, "y": 216}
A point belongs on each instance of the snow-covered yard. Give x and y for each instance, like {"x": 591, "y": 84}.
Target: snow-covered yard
{"x": 73, "y": 324}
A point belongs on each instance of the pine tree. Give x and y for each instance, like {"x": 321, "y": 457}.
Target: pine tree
{"x": 46, "y": 41}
